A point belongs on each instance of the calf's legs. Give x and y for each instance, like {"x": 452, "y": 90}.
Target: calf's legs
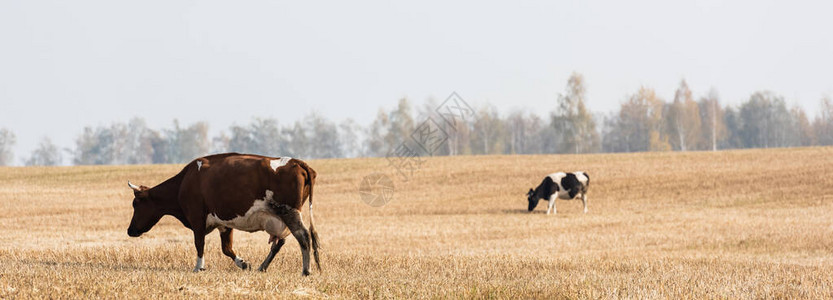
{"x": 276, "y": 246}
{"x": 300, "y": 232}
{"x": 291, "y": 218}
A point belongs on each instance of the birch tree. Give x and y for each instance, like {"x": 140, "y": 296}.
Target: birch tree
{"x": 713, "y": 126}
{"x": 7, "y": 141}
{"x": 574, "y": 124}
{"x": 683, "y": 120}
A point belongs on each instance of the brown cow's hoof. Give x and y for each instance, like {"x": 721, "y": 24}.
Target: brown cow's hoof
{"x": 305, "y": 273}
{"x": 240, "y": 263}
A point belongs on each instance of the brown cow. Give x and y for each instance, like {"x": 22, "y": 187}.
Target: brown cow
{"x": 233, "y": 191}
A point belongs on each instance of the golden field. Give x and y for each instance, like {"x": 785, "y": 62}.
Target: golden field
{"x": 733, "y": 224}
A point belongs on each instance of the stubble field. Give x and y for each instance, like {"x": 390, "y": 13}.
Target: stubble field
{"x": 734, "y": 224}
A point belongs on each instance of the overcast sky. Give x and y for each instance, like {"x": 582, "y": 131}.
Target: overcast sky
{"x": 69, "y": 64}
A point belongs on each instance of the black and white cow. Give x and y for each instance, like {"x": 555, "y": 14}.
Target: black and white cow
{"x": 560, "y": 185}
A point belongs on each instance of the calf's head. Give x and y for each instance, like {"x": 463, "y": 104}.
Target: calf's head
{"x": 145, "y": 211}
{"x": 532, "y": 198}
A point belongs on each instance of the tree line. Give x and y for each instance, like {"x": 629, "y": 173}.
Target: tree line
{"x": 643, "y": 122}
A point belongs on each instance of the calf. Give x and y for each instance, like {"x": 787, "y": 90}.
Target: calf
{"x": 565, "y": 186}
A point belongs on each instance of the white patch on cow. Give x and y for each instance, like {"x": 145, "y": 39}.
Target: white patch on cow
{"x": 239, "y": 262}
{"x": 581, "y": 177}
{"x": 556, "y": 177}
{"x": 199, "y": 165}
{"x": 200, "y": 265}
{"x": 277, "y": 163}
{"x": 258, "y": 217}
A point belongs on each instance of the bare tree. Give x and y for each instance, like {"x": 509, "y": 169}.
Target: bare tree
{"x": 640, "y": 123}
{"x": 459, "y": 136}
{"x": 220, "y": 143}
{"x": 47, "y": 154}
{"x": 765, "y": 121}
{"x": 120, "y": 143}
{"x": 401, "y": 124}
{"x": 573, "y": 123}
{"x": 683, "y": 120}
{"x": 185, "y": 144}
{"x": 265, "y": 138}
{"x": 348, "y": 138}
{"x": 523, "y": 131}
{"x": 374, "y": 143}
{"x": 298, "y": 140}
{"x": 613, "y": 137}
{"x": 487, "y": 129}
{"x": 7, "y": 141}
{"x": 324, "y": 141}
{"x": 427, "y": 112}
{"x": 802, "y": 131}
{"x": 823, "y": 124}
{"x": 94, "y": 147}
{"x": 713, "y": 126}
{"x": 734, "y": 123}
{"x": 240, "y": 140}
{"x": 138, "y": 147}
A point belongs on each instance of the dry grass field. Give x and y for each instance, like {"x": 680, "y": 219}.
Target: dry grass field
{"x": 735, "y": 224}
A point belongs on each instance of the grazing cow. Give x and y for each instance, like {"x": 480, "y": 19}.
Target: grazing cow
{"x": 565, "y": 186}
{"x": 233, "y": 191}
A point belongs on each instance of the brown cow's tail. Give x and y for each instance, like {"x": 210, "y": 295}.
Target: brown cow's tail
{"x": 313, "y": 234}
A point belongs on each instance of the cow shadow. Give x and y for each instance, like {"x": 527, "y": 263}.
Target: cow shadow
{"x": 521, "y": 211}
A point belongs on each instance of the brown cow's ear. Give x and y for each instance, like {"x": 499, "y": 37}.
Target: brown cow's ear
{"x": 138, "y": 191}
{"x": 142, "y": 194}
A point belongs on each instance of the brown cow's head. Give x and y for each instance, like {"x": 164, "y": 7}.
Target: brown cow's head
{"x": 145, "y": 211}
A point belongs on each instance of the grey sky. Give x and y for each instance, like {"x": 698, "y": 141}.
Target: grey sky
{"x": 68, "y": 64}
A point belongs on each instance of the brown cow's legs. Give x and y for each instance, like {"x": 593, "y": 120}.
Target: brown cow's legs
{"x": 199, "y": 242}
{"x": 226, "y": 239}
{"x": 292, "y": 219}
{"x": 276, "y": 246}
